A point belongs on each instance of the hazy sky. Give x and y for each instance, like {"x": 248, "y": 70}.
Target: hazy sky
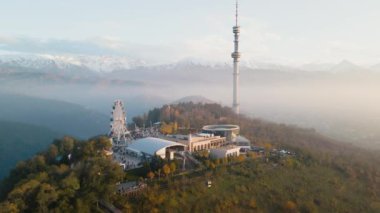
{"x": 290, "y": 32}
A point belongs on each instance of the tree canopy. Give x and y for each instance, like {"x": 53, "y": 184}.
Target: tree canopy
{"x": 324, "y": 175}
{"x": 70, "y": 176}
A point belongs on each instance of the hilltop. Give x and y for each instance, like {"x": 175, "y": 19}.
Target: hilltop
{"x": 324, "y": 175}
{"x": 196, "y": 99}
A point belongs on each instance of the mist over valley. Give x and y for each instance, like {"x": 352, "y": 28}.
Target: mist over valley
{"x": 336, "y": 99}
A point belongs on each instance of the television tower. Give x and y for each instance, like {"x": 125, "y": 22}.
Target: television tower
{"x": 236, "y": 56}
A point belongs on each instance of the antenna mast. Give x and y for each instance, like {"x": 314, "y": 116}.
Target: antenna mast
{"x": 236, "y": 57}
{"x": 237, "y": 13}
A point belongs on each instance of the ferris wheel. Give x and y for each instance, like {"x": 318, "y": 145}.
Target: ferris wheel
{"x": 119, "y": 132}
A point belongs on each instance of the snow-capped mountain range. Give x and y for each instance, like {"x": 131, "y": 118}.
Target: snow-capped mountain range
{"x": 67, "y": 62}
{"x": 343, "y": 66}
{"x": 106, "y": 64}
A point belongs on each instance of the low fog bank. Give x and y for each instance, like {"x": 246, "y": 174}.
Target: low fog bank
{"x": 349, "y": 113}
{"x": 343, "y": 105}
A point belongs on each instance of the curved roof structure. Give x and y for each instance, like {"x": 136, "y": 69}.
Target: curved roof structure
{"x": 151, "y": 145}
{"x": 242, "y": 139}
{"x": 230, "y": 131}
{"x": 221, "y": 127}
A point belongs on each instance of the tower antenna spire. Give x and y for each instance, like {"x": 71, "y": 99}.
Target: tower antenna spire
{"x": 236, "y": 57}
{"x": 237, "y": 12}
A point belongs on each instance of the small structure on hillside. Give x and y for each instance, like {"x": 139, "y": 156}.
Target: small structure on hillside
{"x": 225, "y": 152}
{"x": 209, "y": 183}
{"x": 130, "y": 188}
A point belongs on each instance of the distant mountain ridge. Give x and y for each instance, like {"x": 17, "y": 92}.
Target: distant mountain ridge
{"x": 66, "y": 62}
{"x": 59, "y": 116}
{"x": 108, "y": 64}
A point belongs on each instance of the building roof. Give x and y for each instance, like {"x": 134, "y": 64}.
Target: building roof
{"x": 151, "y": 145}
{"x": 184, "y": 139}
{"x": 242, "y": 139}
{"x": 221, "y": 127}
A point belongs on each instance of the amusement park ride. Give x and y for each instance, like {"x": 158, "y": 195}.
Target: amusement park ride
{"x": 122, "y": 138}
{"x": 119, "y": 133}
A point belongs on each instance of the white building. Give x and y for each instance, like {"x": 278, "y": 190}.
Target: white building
{"x": 155, "y": 146}
{"x": 198, "y": 142}
{"x": 204, "y": 142}
{"x": 229, "y": 131}
{"x": 225, "y": 151}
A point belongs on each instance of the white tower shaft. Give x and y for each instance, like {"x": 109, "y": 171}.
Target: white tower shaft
{"x": 236, "y": 57}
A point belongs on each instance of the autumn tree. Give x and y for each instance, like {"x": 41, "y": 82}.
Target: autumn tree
{"x": 290, "y": 206}
{"x": 166, "y": 128}
{"x": 150, "y": 175}
{"x": 173, "y": 167}
{"x": 253, "y": 203}
{"x": 67, "y": 144}
{"x": 240, "y": 158}
{"x": 8, "y": 207}
{"x": 52, "y": 152}
{"x": 166, "y": 169}
{"x": 40, "y": 185}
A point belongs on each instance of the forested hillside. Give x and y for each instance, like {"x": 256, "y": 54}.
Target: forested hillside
{"x": 323, "y": 175}
{"x": 354, "y": 170}
{"x": 70, "y": 176}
